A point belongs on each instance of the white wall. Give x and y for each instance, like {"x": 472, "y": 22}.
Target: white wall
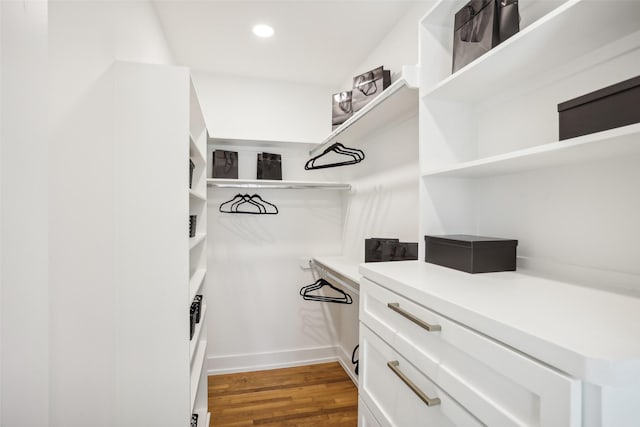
{"x": 23, "y": 174}
{"x": 85, "y": 38}
{"x": 260, "y": 109}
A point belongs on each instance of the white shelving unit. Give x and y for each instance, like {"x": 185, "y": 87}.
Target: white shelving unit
{"x": 265, "y": 184}
{"x": 198, "y": 260}
{"x": 492, "y": 164}
{"x": 393, "y": 104}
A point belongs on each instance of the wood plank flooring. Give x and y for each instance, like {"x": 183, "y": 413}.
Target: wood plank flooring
{"x": 304, "y": 396}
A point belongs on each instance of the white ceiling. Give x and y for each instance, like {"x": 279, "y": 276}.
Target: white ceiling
{"x": 316, "y": 41}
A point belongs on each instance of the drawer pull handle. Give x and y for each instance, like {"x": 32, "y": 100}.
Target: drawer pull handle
{"x": 396, "y": 307}
{"x": 430, "y": 401}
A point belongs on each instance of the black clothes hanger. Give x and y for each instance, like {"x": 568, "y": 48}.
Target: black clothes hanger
{"x": 241, "y": 202}
{"x": 356, "y": 157}
{"x": 345, "y": 298}
{"x": 354, "y": 360}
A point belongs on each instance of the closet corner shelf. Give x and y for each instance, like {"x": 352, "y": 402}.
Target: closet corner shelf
{"x": 195, "y": 282}
{"x": 196, "y": 195}
{"x": 618, "y": 142}
{"x": 195, "y": 241}
{"x": 265, "y": 184}
{"x": 196, "y": 372}
{"x": 194, "y": 151}
{"x": 193, "y": 344}
{"x": 344, "y": 267}
{"x": 393, "y": 104}
{"x": 527, "y": 53}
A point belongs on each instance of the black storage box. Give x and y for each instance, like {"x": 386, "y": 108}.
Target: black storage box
{"x": 611, "y": 107}
{"x": 473, "y": 254}
{"x": 368, "y": 85}
{"x": 341, "y": 108}
{"x": 269, "y": 166}
{"x": 225, "y": 164}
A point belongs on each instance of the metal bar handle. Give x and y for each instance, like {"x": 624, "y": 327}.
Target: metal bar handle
{"x": 429, "y": 327}
{"x": 429, "y": 401}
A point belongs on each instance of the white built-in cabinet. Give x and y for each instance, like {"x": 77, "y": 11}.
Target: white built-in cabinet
{"x": 160, "y": 378}
{"x": 555, "y": 343}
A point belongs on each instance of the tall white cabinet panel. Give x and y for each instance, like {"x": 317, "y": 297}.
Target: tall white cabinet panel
{"x": 153, "y": 262}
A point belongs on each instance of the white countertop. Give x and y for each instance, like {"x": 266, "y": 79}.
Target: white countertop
{"x": 345, "y": 267}
{"x": 588, "y": 333}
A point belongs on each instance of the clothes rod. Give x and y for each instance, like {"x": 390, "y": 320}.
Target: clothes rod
{"x": 297, "y": 185}
{"x": 324, "y": 271}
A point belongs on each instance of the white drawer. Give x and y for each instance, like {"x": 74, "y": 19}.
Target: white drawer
{"x": 365, "y": 417}
{"x": 395, "y": 401}
{"x": 499, "y": 385}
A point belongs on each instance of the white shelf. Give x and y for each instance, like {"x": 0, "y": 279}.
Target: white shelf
{"x": 618, "y": 142}
{"x": 196, "y": 334}
{"x": 195, "y": 283}
{"x": 393, "y": 104}
{"x": 195, "y": 241}
{"x": 195, "y": 195}
{"x": 551, "y": 41}
{"x": 196, "y": 372}
{"x": 264, "y": 183}
{"x": 342, "y": 266}
{"x": 194, "y": 151}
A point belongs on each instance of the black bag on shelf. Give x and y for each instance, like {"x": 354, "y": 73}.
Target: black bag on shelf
{"x": 480, "y": 26}
{"x": 192, "y": 166}
{"x": 269, "y": 166}
{"x": 192, "y": 321}
{"x": 192, "y": 225}
{"x": 368, "y": 85}
{"x": 341, "y": 108}
{"x": 197, "y": 300}
{"x": 194, "y": 420}
{"x": 225, "y": 164}
{"x": 373, "y": 249}
{"x": 399, "y": 251}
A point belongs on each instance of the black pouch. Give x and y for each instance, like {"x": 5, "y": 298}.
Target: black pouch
{"x": 269, "y": 166}
{"x": 480, "y": 26}
{"x": 373, "y": 249}
{"x": 368, "y": 85}
{"x": 225, "y": 164}
{"x": 341, "y": 108}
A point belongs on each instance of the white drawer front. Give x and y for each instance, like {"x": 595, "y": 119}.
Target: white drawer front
{"x": 497, "y": 384}
{"x": 392, "y": 400}
{"x": 365, "y": 417}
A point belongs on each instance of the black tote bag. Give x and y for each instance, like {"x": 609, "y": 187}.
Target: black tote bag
{"x": 480, "y": 26}
{"x": 269, "y": 166}
{"x": 225, "y": 164}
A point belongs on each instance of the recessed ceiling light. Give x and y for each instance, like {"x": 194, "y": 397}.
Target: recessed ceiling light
{"x": 263, "y": 30}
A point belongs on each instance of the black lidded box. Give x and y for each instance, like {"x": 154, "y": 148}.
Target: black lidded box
{"x": 473, "y": 254}
{"x": 611, "y": 107}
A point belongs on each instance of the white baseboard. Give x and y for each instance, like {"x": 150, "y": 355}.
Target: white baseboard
{"x": 274, "y": 360}
{"x": 344, "y": 358}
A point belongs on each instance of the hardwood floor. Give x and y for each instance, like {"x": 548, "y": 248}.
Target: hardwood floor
{"x": 304, "y": 396}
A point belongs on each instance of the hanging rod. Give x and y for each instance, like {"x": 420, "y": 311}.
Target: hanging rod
{"x": 329, "y": 274}
{"x": 263, "y": 183}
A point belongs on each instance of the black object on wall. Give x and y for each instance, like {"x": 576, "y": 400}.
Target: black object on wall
{"x": 225, "y": 164}
{"x": 246, "y": 204}
{"x": 352, "y": 156}
{"x": 269, "y": 166}
{"x": 480, "y": 26}
{"x": 611, "y": 107}
{"x": 472, "y": 254}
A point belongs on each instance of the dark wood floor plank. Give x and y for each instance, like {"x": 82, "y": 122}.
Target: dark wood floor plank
{"x": 313, "y": 395}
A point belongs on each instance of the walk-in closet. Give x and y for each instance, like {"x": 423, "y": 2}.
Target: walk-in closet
{"x": 371, "y": 213}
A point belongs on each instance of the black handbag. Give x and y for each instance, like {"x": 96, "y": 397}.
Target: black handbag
{"x": 480, "y": 26}
{"x": 341, "y": 108}
{"x": 373, "y": 249}
{"x": 225, "y": 164}
{"x": 269, "y": 166}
